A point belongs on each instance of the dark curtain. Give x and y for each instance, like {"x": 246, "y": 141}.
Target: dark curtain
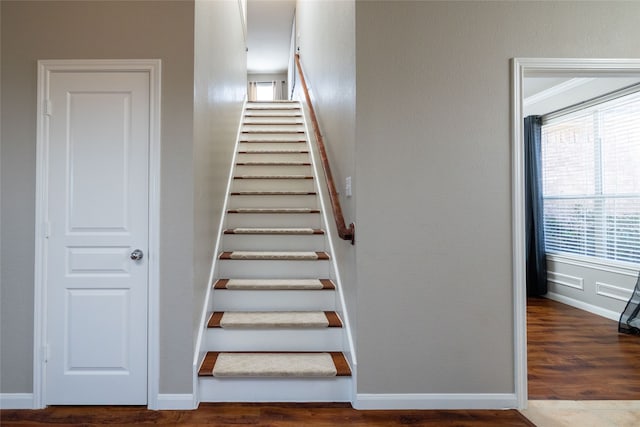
{"x": 535, "y": 256}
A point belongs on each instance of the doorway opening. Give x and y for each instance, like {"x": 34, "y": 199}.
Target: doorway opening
{"x": 270, "y": 44}
{"x": 564, "y": 73}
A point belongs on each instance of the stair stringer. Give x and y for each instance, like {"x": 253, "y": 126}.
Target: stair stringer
{"x": 198, "y": 353}
{"x": 328, "y": 224}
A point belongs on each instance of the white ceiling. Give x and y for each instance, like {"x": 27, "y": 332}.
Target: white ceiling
{"x": 269, "y": 25}
{"x": 543, "y": 95}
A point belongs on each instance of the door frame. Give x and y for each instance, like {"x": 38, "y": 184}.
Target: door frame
{"x": 45, "y": 67}
{"x": 538, "y": 67}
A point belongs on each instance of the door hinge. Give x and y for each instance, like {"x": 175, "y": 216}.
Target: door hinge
{"x": 45, "y": 353}
{"x": 47, "y": 107}
{"x": 46, "y": 229}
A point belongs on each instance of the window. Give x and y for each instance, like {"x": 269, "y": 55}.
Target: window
{"x": 591, "y": 181}
{"x": 264, "y": 91}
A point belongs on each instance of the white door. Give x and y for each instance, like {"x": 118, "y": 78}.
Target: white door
{"x": 98, "y": 215}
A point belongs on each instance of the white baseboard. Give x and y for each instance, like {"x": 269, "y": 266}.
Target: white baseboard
{"x": 167, "y": 402}
{"x": 609, "y": 314}
{"x": 16, "y": 400}
{"x": 436, "y": 401}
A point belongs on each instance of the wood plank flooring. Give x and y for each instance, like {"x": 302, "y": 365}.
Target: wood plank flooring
{"x": 272, "y": 415}
{"x": 576, "y": 355}
{"x": 573, "y": 355}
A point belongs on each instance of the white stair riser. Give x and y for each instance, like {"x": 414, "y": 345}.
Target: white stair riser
{"x": 336, "y": 389}
{"x": 306, "y": 185}
{"x": 273, "y": 137}
{"x": 273, "y": 157}
{"x": 220, "y": 339}
{"x": 273, "y": 269}
{"x": 272, "y": 113}
{"x": 273, "y": 220}
{"x": 273, "y": 170}
{"x": 275, "y": 145}
{"x": 297, "y": 201}
{"x": 276, "y": 300}
{"x": 272, "y": 129}
{"x": 273, "y": 105}
{"x": 260, "y": 242}
{"x": 269, "y": 120}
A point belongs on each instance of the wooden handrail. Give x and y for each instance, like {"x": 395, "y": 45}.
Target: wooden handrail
{"x": 346, "y": 233}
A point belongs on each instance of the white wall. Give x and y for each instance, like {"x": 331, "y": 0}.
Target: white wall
{"x": 256, "y": 77}
{"x": 220, "y": 71}
{"x": 433, "y": 180}
{"x": 327, "y": 51}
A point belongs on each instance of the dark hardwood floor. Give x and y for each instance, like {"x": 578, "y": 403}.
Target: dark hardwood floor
{"x": 576, "y": 355}
{"x": 573, "y": 355}
{"x": 273, "y": 415}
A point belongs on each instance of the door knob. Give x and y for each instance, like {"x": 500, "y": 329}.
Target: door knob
{"x": 136, "y": 255}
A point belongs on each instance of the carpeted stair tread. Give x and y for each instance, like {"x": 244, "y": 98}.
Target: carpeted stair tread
{"x": 272, "y": 140}
{"x": 285, "y": 114}
{"x": 274, "y": 231}
{"x": 275, "y": 364}
{"x": 274, "y": 211}
{"x": 273, "y": 164}
{"x": 264, "y": 123}
{"x": 273, "y": 193}
{"x": 284, "y": 107}
{"x": 273, "y": 177}
{"x": 274, "y": 319}
{"x": 274, "y": 131}
{"x": 282, "y": 151}
{"x": 275, "y": 255}
{"x": 274, "y": 284}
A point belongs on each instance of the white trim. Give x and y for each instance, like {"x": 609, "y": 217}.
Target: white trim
{"x": 16, "y": 401}
{"x": 214, "y": 263}
{"x": 609, "y": 266}
{"x": 614, "y": 292}
{"x": 153, "y": 68}
{"x": 436, "y": 401}
{"x": 565, "y": 280}
{"x": 173, "y": 402}
{"x": 519, "y": 240}
{"x": 153, "y": 325}
{"x": 594, "y": 309}
{"x": 539, "y": 67}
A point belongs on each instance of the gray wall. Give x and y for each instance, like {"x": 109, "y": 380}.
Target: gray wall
{"x": 433, "y": 144}
{"x": 599, "y": 287}
{"x": 327, "y": 53}
{"x": 220, "y": 87}
{"x": 65, "y": 30}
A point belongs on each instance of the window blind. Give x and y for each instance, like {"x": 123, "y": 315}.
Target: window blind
{"x": 591, "y": 181}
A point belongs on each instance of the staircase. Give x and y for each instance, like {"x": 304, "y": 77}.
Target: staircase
{"x": 274, "y": 331}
